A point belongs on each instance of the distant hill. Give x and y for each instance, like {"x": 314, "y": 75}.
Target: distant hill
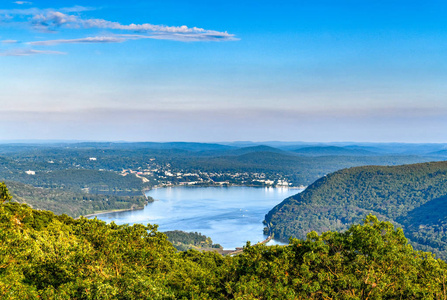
{"x": 440, "y": 153}
{"x": 371, "y": 149}
{"x": 332, "y": 150}
{"x": 412, "y": 196}
{"x": 153, "y": 145}
{"x": 253, "y": 149}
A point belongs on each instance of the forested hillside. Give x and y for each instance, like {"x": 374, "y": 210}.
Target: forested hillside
{"x": 411, "y": 196}
{"x": 44, "y": 256}
{"x": 70, "y": 202}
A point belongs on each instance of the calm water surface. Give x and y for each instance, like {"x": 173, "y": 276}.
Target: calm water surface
{"x": 231, "y": 216}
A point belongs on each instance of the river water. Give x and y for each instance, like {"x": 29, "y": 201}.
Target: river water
{"x": 231, "y": 216}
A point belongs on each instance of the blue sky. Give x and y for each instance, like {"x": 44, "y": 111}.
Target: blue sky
{"x": 199, "y": 71}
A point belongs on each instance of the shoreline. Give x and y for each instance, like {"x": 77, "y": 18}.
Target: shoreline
{"x": 183, "y": 185}
{"x": 109, "y": 211}
{"x": 224, "y": 185}
{"x": 234, "y": 251}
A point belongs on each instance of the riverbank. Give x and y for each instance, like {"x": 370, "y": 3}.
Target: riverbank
{"x": 150, "y": 199}
{"x": 111, "y": 211}
{"x": 102, "y": 212}
{"x": 230, "y": 216}
{"x": 239, "y": 250}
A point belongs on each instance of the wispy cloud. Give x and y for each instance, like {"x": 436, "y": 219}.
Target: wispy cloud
{"x": 35, "y": 11}
{"x": 54, "y": 19}
{"x": 70, "y": 18}
{"x": 195, "y": 37}
{"x": 51, "y": 20}
{"x": 119, "y": 38}
{"x": 23, "y": 2}
{"x": 75, "y": 9}
{"x": 98, "y": 39}
{"x": 28, "y": 52}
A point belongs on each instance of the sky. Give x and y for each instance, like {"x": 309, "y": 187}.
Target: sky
{"x": 316, "y": 71}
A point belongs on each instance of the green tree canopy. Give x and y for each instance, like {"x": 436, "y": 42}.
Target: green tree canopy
{"x": 4, "y": 194}
{"x": 44, "y": 256}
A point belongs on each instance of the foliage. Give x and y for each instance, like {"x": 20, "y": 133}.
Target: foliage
{"x": 70, "y": 202}
{"x": 4, "y": 193}
{"x": 44, "y": 256}
{"x": 190, "y": 240}
{"x": 411, "y": 196}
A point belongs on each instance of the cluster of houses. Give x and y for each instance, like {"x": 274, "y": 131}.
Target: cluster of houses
{"x": 164, "y": 176}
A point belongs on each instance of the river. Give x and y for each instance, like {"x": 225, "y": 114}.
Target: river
{"x": 231, "y": 216}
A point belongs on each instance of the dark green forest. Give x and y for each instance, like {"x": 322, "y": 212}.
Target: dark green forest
{"x": 45, "y": 256}
{"x": 413, "y": 197}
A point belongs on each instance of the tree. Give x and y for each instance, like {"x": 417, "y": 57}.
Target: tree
{"x": 4, "y": 194}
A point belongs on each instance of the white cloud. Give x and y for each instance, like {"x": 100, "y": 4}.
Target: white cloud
{"x": 23, "y": 2}
{"x": 51, "y": 20}
{"x": 28, "y": 52}
{"x": 48, "y": 20}
{"x": 55, "y": 19}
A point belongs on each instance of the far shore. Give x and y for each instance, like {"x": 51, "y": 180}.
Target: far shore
{"x": 301, "y": 187}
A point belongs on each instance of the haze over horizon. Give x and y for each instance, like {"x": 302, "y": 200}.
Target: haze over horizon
{"x": 323, "y": 71}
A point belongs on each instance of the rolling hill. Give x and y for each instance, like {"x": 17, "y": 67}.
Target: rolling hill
{"x": 413, "y": 197}
{"x": 332, "y": 150}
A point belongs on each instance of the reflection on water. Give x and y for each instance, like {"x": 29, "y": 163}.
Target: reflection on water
{"x": 231, "y": 216}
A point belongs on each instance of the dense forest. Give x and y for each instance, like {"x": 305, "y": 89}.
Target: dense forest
{"x": 190, "y": 240}
{"x": 413, "y": 197}
{"x": 45, "y": 256}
